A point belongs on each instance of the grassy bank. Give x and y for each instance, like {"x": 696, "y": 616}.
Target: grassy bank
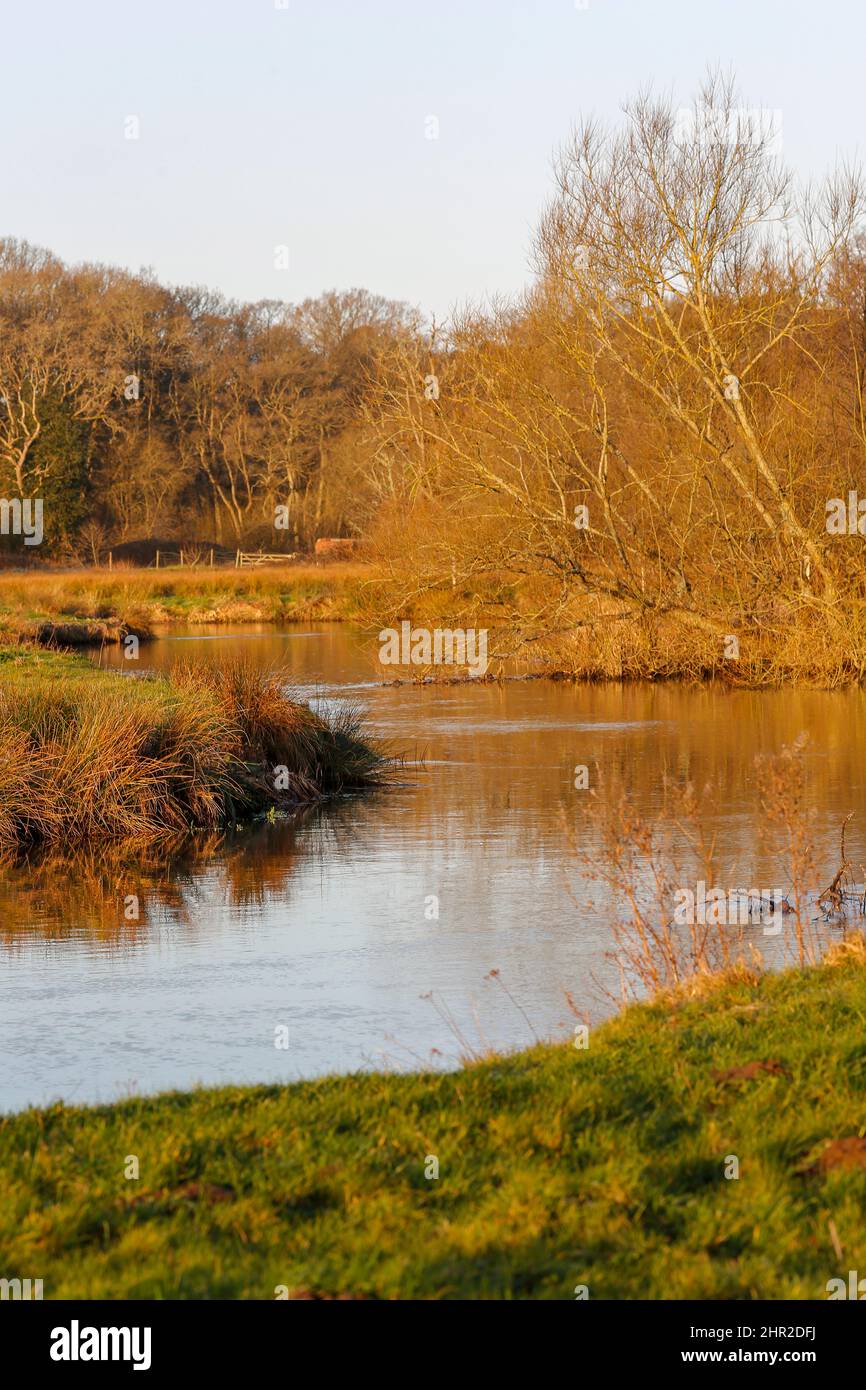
{"x": 558, "y": 1167}
{"x": 590, "y": 640}
{"x": 89, "y": 755}
{"x": 94, "y": 605}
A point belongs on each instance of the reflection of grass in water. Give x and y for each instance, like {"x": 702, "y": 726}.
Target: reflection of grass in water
{"x": 112, "y": 894}
{"x": 558, "y": 1167}
{"x": 90, "y": 756}
{"x": 87, "y": 891}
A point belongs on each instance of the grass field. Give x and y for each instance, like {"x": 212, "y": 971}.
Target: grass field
{"x": 559, "y": 1167}
{"x": 142, "y": 599}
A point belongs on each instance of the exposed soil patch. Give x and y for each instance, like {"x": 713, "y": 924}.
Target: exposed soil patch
{"x": 750, "y": 1071}
{"x": 842, "y": 1153}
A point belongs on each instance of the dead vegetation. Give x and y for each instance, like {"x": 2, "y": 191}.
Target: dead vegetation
{"x": 680, "y": 922}
{"x": 101, "y": 758}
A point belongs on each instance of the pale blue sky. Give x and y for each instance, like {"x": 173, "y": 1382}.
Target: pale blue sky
{"x": 306, "y": 126}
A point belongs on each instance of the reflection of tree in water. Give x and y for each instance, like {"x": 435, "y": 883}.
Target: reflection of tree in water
{"x": 118, "y": 897}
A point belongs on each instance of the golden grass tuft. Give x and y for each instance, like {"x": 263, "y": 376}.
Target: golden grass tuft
{"x": 851, "y": 950}
{"x": 115, "y": 759}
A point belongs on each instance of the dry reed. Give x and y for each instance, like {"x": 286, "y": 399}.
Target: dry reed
{"x": 114, "y": 759}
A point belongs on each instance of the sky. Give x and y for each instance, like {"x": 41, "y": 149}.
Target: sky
{"x": 306, "y": 125}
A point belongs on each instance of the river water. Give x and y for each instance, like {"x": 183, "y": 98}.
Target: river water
{"x": 327, "y": 927}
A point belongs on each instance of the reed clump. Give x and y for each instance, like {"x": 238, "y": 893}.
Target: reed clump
{"x": 113, "y": 758}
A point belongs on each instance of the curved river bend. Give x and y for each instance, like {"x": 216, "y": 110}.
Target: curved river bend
{"x": 326, "y": 927}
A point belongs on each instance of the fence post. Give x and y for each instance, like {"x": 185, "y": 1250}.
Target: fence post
{"x": 211, "y": 557}
{"x": 157, "y": 559}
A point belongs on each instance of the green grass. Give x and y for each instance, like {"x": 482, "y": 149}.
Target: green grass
{"x": 558, "y": 1167}
{"x": 24, "y": 666}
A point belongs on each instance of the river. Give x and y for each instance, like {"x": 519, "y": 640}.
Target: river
{"x": 327, "y": 927}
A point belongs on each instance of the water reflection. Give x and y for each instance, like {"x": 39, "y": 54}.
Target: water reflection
{"x": 324, "y": 923}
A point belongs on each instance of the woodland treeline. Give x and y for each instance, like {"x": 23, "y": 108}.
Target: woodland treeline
{"x": 654, "y": 430}
{"x": 135, "y": 410}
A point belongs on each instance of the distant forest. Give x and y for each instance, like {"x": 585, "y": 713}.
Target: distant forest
{"x": 137, "y": 411}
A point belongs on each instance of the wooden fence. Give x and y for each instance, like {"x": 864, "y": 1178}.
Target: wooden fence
{"x": 186, "y": 559}
{"x": 258, "y": 557}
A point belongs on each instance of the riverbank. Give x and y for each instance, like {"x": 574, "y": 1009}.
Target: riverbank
{"x": 89, "y": 607}
{"x": 610, "y": 1167}
{"x": 590, "y": 641}
{"x": 535, "y": 629}
{"x": 90, "y": 755}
